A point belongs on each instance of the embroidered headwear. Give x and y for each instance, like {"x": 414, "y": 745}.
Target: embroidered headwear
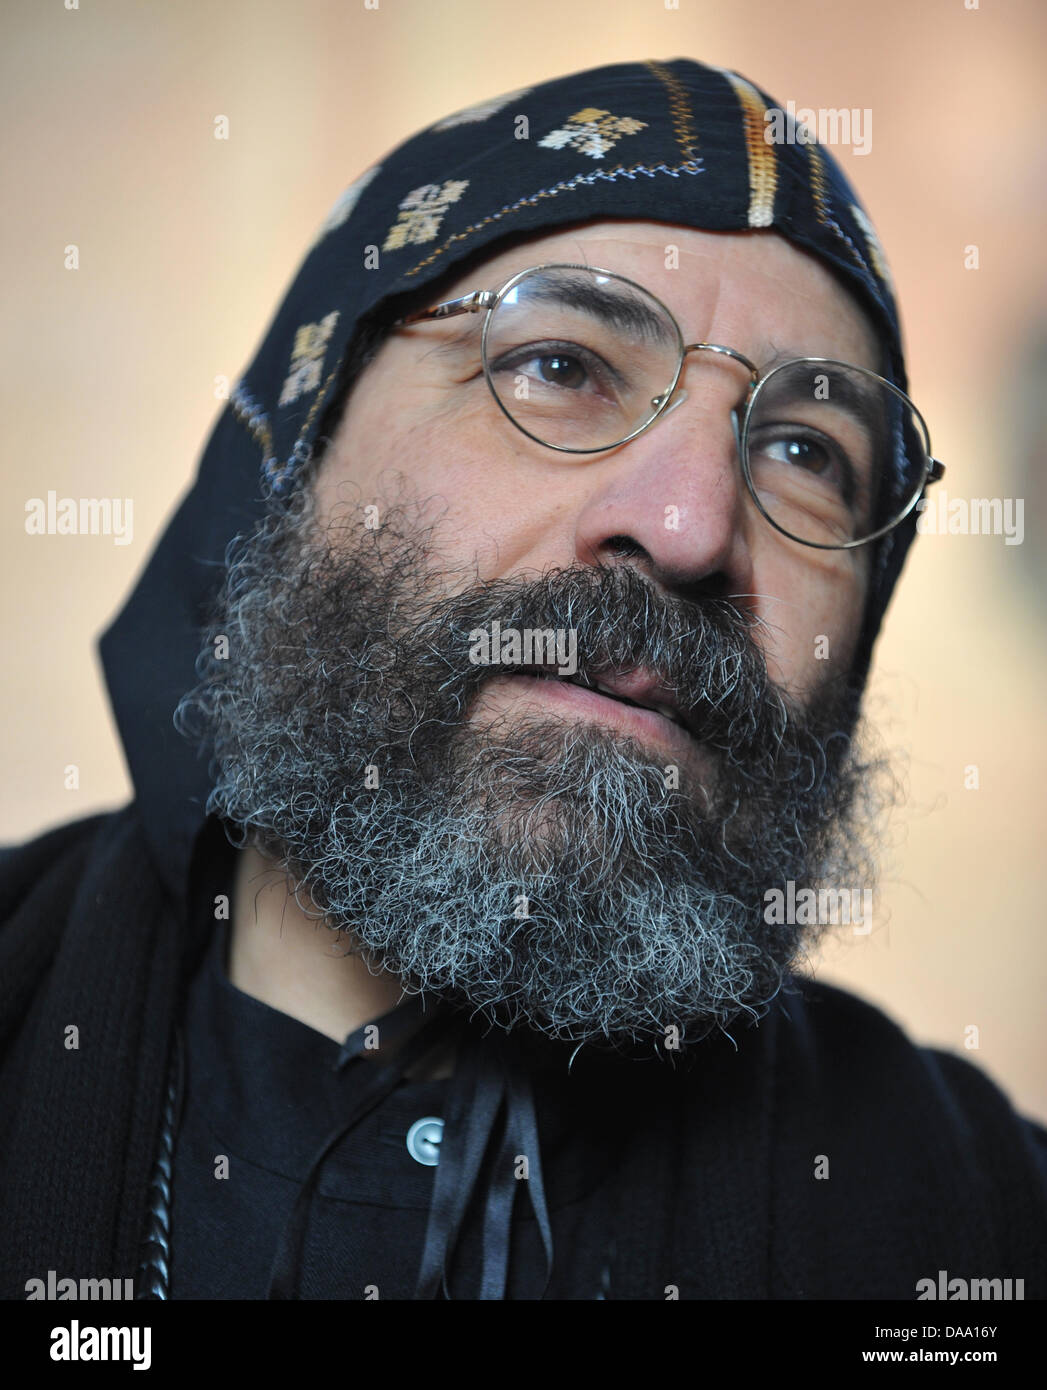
{"x": 675, "y": 141}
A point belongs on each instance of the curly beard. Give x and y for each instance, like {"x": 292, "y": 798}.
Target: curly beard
{"x": 537, "y": 870}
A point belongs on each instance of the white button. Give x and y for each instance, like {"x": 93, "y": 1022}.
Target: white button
{"x": 423, "y": 1141}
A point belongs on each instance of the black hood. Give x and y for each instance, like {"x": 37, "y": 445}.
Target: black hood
{"x": 674, "y": 141}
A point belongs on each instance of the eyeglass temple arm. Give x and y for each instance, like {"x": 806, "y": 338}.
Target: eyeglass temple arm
{"x": 468, "y": 304}
{"x": 935, "y": 469}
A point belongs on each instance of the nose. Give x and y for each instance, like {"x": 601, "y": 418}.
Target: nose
{"x": 673, "y": 498}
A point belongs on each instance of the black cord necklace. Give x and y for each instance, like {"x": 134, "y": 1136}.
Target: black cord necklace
{"x": 154, "y": 1259}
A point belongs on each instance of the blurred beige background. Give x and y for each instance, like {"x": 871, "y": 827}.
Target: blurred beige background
{"x": 186, "y": 243}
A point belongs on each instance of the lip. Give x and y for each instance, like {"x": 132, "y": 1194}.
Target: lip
{"x": 646, "y": 724}
{"x": 643, "y": 689}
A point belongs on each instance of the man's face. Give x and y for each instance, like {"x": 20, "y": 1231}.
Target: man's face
{"x": 427, "y": 416}
{"x": 543, "y": 853}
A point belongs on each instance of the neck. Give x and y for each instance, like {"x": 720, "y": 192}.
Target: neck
{"x": 289, "y": 959}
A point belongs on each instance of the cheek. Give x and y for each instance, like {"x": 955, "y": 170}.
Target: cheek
{"x": 456, "y": 470}
{"x": 813, "y": 610}
{"x": 390, "y": 441}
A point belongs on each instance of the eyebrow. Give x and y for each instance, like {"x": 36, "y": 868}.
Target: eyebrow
{"x": 627, "y": 312}
{"x": 577, "y": 292}
{"x": 844, "y": 390}
{"x": 610, "y": 307}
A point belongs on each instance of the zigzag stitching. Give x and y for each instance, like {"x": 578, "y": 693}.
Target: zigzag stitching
{"x": 693, "y": 166}
{"x": 251, "y": 415}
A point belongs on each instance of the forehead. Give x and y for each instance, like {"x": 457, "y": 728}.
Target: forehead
{"x": 750, "y": 290}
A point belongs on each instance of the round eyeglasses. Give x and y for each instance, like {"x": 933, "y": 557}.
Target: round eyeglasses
{"x": 583, "y": 360}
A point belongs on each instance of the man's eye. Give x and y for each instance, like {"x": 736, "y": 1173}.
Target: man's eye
{"x": 560, "y": 366}
{"x": 561, "y": 369}
{"x": 808, "y": 451}
{"x": 800, "y": 452}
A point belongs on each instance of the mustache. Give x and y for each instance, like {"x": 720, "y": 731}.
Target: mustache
{"x": 700, "y": 657}
{"x": 342, "y": 747}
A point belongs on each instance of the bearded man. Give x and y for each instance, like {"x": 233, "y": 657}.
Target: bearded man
{"x": 531, "y": 579}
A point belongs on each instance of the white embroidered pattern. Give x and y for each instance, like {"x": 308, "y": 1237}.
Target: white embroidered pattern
{"x": 307, "y": 357}
{"x": 422, "y": 211}
{"x": 343, "y": 208}
{"x": 483, "y": 112}
{"x": 876, "y": 251}
{"x": 591, "y": 131}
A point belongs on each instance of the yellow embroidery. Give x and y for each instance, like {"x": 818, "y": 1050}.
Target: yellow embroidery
{"x": 820, "y": 194}
{"x": 422, "y": 211}
{"x": 763, "y": 169}
{"x": 692, "y": 165}
{"x": 876, "y": 254}
{"x": 252, "y": 417}
{"x": 307, "y": 357}
{"x": 591, "y": 131}
{"x": 819, "y": 191}
{"x": 679, "y": 110}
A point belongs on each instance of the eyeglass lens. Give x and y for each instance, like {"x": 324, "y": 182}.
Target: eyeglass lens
{"x": 581, "y": 359}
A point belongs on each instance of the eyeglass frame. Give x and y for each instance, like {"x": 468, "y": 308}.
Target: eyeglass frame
{"x": 486, "y": 301}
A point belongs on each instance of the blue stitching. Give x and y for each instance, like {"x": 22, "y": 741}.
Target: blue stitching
{"x": 691, "y": 167}
{"x": 246, "y": 408}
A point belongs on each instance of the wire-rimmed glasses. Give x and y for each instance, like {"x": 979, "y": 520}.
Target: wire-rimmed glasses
{"x": 582, "y": 360}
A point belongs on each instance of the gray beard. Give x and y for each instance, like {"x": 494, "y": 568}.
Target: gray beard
{"x": 537, "y": 872}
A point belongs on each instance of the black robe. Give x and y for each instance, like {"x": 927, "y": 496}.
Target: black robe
{"x": 822, "y": 1155}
